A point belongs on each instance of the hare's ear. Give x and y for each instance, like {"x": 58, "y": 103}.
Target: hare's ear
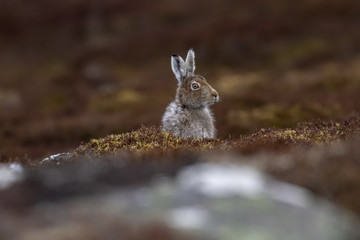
{"x": 178, "y": 67}
{"x": 190, "y": 62}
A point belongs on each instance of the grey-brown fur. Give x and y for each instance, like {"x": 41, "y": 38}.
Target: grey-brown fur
{"x": 189, "y": 116}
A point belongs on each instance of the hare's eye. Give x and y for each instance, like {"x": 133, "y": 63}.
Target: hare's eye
{"x": 195, "y": 86}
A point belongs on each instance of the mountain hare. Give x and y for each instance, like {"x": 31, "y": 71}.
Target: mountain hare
{"x": 189, "y": 115}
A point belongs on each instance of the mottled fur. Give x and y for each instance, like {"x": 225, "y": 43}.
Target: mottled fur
{"x": 189, "y": 116}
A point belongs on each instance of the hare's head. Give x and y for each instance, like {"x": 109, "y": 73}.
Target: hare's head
{"x": 193, "y": 90}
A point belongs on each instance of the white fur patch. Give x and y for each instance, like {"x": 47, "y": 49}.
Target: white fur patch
{"x": 188, "y": 123}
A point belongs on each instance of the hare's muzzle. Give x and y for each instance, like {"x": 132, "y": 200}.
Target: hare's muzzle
{"x": 215, "y": 95}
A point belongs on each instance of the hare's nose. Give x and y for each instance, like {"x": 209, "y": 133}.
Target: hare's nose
{"x": 215, "y": 94}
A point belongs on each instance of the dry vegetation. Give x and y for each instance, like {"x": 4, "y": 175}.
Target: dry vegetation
{"x": 151, "y": 140}
{"x": 322, "y": 156}
{"x": 75, "y": 72}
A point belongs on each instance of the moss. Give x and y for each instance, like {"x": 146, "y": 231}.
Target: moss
{"x": 151, "y": 140}
{"x": 145, "y": 140}
{"x": 307, "y": 133}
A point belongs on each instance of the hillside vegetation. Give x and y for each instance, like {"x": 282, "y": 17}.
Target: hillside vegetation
{"x": 322, "y": 156}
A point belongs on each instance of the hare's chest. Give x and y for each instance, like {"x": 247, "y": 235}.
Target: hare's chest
{"x": 202, "y": 125}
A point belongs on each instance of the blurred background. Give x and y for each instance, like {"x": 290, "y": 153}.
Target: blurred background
{"x": 72, "y": 70}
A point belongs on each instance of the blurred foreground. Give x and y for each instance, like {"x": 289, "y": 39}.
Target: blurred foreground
{"x": 112, "y": 200}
